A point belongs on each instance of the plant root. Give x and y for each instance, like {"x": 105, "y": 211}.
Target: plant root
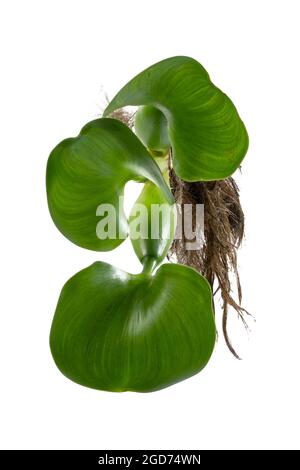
{"x": 222, "y": 235}
{"x": 124, "y": 116}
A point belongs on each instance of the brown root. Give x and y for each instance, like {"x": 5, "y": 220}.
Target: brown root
{"x": 124, "y": 116}
{"x": 223, "y": 234}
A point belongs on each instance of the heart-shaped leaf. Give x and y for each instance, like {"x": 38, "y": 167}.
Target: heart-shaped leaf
{"x": 116, "y": 331}
{"x": 86, "y": 176}
{"x": 207, "y": 136}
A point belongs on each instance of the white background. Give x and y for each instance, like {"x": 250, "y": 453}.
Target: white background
{"x": 56, "y": 56}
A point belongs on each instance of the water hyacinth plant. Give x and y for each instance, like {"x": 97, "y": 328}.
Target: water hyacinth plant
{"x": 117, "y": 331}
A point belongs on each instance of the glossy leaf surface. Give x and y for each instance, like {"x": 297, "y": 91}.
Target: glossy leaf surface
{"x": 151, "y": 127}
{"x": 87, "y": 172}
{"x": 208, "y": 138}
{"x": 115, "y": 331}
{"x": 152, "y": 224}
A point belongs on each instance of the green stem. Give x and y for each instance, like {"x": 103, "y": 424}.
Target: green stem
{"x": 149, "y": 263}
{"x": 163, "y": 166}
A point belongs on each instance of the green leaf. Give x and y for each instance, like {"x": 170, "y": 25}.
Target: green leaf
{"x": 207, "y": 136}
{"x": 152, "y": 224}
{"x": 116, "y": 331}
{"x": 151, "y": 127}
{"x": 90, "y": 170}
